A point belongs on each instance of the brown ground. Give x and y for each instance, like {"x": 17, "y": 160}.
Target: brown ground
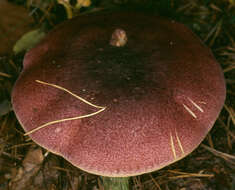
{"x": 24, "y": 165}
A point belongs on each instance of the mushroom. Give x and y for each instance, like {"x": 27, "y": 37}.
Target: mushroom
{"x": 119, "y": 94}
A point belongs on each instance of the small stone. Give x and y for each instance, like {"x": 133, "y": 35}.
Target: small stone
{"x": 118, "y": 38}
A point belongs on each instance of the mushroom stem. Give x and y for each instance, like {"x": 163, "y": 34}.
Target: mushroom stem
{"x": 115, "y": 183}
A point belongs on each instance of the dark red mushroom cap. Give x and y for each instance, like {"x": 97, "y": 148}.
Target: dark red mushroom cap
{"x": 162, "y": 92}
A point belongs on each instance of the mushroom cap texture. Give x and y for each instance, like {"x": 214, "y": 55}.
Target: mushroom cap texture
{"x": 162, "y": 91}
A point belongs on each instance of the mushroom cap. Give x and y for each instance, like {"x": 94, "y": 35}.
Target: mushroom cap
{"x": 162, "y": 91}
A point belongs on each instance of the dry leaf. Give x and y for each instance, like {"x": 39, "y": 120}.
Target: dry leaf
{"x": 31, "y": 165}
{"x": 14, "y": 22}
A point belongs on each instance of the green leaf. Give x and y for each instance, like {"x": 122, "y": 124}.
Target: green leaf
{"x": 28, "y": 41}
